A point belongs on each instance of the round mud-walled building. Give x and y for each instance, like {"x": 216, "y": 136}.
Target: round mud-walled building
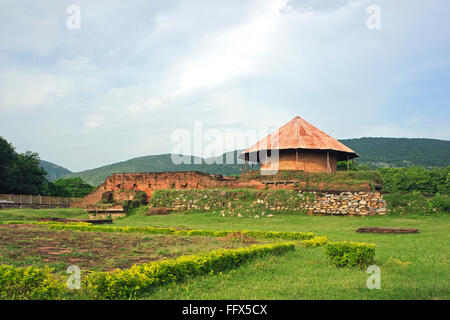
{"x": 298, "y": 145}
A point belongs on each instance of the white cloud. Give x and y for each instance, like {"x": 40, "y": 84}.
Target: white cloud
{"x": 27, "y": 89}
{"x": 226, "y": 54}
{"x": 317, "y": 6}
{"x": 77, "y": 64}
{"x": 29, "y": 27}
{"x": 92, "y": 121}
{"x": 234, "y": 64}
{"x": 151, "y": 104}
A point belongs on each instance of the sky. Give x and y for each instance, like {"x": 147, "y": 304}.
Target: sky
{"x": 119, "y": 79}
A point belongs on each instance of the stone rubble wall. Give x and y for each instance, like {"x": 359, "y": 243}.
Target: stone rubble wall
{"x": 265, "y": 201}
{"x": 344, "y": 203}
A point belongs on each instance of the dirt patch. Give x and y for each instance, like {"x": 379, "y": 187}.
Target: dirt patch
{"x": 23, "y": 245}
{"x": 238, "y": 237}
{"x": 64, "y": 220}
{"x": 157, "y": 211}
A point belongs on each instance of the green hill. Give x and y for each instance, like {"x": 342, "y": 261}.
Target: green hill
{"x": 377, "y": 152}
{"x": 53, "y": 170}
{"x": 160, "y": 163}
{"x": 401, "y": 152}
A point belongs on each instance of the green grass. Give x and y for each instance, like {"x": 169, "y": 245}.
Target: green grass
{"x": 413, "y": 266}
{"x": 32, "y": 214}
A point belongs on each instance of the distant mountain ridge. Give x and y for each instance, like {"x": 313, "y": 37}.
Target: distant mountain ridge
{"x": 161, "y": 163}
{"x": 377, "y": 152}
{"x": 401, "y": 152}
{"x": 54, "y": 171}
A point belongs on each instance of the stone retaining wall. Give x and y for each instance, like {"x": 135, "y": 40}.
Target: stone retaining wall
{"x": 261, "y": 202}
{"x": 344, "y": 203}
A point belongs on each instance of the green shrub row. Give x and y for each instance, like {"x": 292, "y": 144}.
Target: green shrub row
{"x": 184, "y": 232}
{"x": 351, "y": 254}
{"x": 314, "y": 242}
{"x": 28, "y": 283}
{"x": 126, "y": 284}
{"x": 74, "y": 224}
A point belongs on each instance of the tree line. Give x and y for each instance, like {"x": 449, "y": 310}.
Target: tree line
{"x": 20, "y": 173}
{"x": 416, "y": 178}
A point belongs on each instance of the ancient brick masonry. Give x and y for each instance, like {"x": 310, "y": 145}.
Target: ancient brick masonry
{"x": 150, "y": 181}
{"x": 125, "y": 185}
{"x": 345, "y": 203}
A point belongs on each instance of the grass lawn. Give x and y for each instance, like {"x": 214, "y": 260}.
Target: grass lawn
{"x": 413, "y": 266}
{"x": 32, "y": 214}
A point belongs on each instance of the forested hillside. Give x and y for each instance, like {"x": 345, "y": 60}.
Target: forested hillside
{"x": 401, "y": 152}
{"x": 159, "y": 163}
{"x": 53, "y": 170}
{"x": 377, "y": 152}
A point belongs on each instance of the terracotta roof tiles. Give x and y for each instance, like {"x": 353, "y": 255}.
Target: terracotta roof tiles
{"x": 299, "y": 134}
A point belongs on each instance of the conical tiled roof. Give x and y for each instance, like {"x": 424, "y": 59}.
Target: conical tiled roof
{"x": 300, "y": 134}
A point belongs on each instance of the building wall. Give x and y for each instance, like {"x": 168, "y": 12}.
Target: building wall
{"x": 150, "y": 181}
{"x": 124, "y": 184}
{"x": 308, "y": 161}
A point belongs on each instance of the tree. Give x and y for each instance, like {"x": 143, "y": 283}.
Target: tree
{"x": 20, "y": 173}
{"x": 27, "y": 176}
{"x": 73, "y": 187}
{"x": 353, "y": 166}
{"x": 7, "y": 159}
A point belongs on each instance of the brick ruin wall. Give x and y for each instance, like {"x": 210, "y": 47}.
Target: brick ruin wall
{"x": 125, "y": 184}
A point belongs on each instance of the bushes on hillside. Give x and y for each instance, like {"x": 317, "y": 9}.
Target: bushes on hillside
{"x": 417, "y": 203}
{"x": 416, "y": 190}
{"x": 419, "y": 179}
{"x": 350, "y": 254}
{"x": 440, "y": 202}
